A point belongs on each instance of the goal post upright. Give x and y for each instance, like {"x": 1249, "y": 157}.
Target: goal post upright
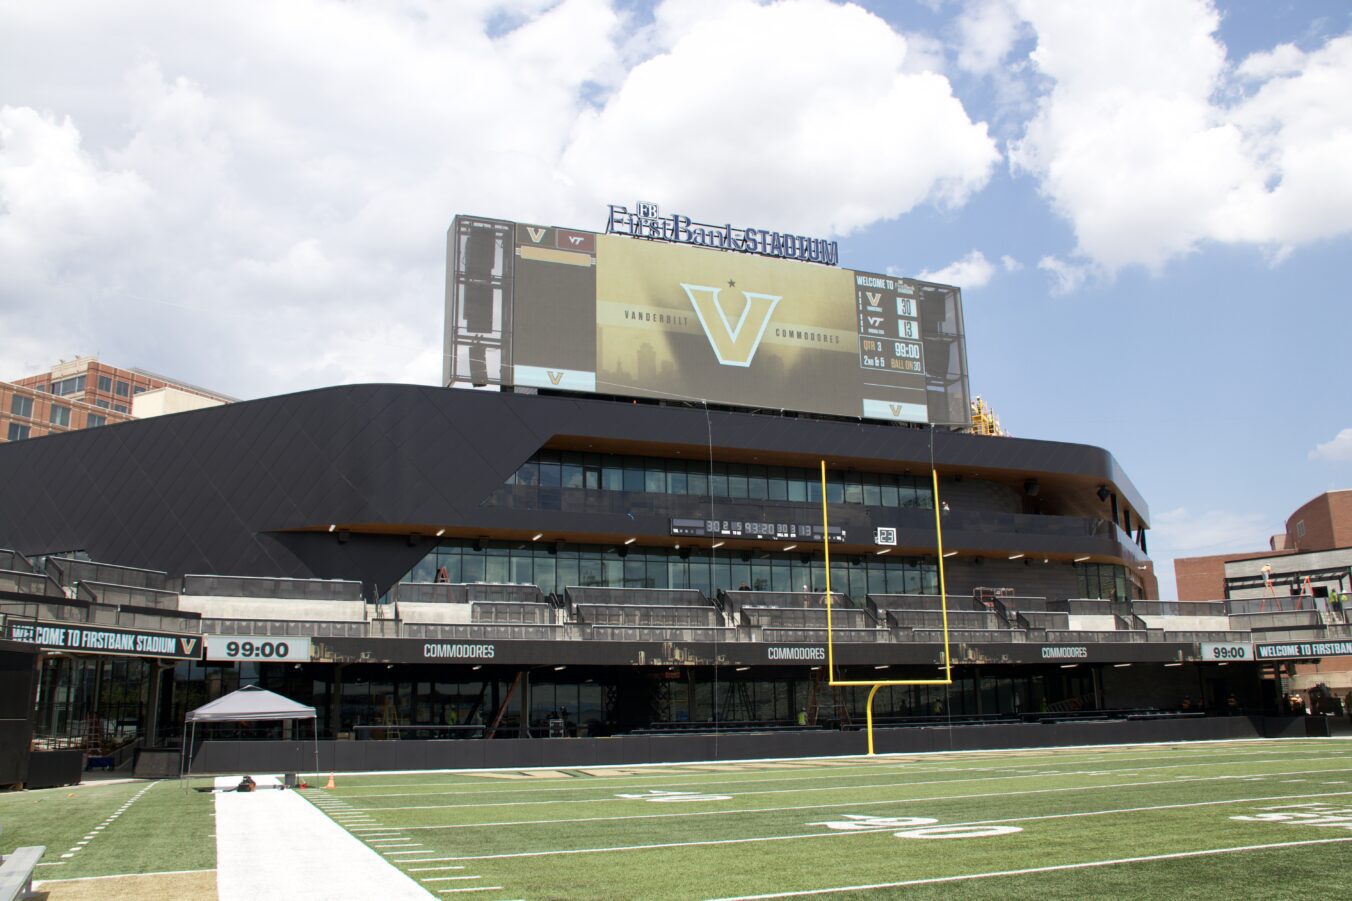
{"x": 874, "y": 685}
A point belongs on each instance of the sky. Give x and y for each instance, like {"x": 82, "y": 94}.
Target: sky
{"x": 1147, "y": 203}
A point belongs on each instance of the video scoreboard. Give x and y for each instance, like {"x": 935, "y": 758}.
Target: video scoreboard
{"x": 614, "y": 314}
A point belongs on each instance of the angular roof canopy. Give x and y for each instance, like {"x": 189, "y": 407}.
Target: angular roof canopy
{"x": 250, "y": 703}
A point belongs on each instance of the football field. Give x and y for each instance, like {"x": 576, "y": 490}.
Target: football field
{"x": 1213, "y": 820}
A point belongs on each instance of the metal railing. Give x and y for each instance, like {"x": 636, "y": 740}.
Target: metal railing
{"x": 67, "y": 571}
{"x": 661, "y": 597}
{"x": 788, "y": 635}
{"x": 658, "y": 633}
{"x": 293, "y": 589}
{"x": 271, "y": 627}
{"x": 648, "y": 615}
{"x": 29, "y": 583}
{"x": 110, "y": 593}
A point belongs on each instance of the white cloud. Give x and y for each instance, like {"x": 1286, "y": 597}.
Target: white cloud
{"x": 1182, "y": 533}
{"x": 1009, "y": 264}
{"x": 971, "y": 271}
{"x": 987, "y": 30}
{"x": 1338, "y": 449}
{"x": 1066, "y": 277}
{"x": 804, "y": 114}
{"x": 254, "y": 196}
{"x": 1133, "y": 147}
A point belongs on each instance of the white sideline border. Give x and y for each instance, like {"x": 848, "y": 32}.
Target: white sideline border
{"x": 879, "y": 757}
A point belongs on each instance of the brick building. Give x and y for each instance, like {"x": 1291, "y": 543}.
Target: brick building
{"x": 84, "y": 393}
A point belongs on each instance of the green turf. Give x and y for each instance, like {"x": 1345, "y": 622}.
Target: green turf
{"x": 574, "y": 836}
{"x": 164, "y": 829}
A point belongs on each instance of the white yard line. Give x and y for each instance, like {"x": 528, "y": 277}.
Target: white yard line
{"x": 833, "y": 806}
{"x": 126, "y": 876}
{"x": 883, "y": 785}
{"x": 1058, "y": 751}
{"x": 275, "y": 844}
{"x": 477, "y": 788}
{"x": 1177, "y": 855}
{"x": 811, "y": 835}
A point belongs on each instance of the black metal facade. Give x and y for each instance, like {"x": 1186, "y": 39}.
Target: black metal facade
{"x": 251, "y": 488}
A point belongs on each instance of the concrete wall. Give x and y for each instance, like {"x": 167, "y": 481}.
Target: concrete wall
{"x": 434, "y": 613}
{"x": 290, "y": 609}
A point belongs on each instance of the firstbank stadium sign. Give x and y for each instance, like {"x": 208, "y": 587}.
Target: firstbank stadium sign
{"x": 646, "y": 222}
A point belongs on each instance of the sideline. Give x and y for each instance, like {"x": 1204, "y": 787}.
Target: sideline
{"x": 934, "y": 880}
{"x": 276, "y": 844}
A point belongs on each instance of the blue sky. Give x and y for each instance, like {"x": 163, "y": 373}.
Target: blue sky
{"x": 1147, "y": 203}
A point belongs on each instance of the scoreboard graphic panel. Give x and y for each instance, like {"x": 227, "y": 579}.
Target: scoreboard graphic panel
{"x": 571, "y": 310}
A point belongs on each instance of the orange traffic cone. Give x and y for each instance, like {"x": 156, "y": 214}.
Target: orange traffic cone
{"x": 330, "y": 785}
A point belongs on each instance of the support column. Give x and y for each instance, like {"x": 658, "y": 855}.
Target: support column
{"x": 523, "y": 727}
{"x": 336, "y": 700}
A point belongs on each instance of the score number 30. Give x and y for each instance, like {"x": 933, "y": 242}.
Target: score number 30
{"x": 263, "y": 650}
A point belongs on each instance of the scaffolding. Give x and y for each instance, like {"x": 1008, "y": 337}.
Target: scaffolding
{"x": 984, "y": 420}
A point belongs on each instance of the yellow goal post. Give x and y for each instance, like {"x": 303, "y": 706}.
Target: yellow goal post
{"x": 874, "y": 685}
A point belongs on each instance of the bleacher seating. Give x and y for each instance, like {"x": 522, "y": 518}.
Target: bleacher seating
{"x": 663, "y": 597}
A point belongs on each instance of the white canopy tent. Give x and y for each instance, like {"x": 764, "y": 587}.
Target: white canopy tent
{"x": 248, "y": 704}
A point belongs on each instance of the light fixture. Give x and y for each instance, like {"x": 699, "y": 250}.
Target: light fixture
{"x": 1016, "y": 556}
{"x": 1120, "y": 665}
{"x": 332, "y": 526}
{"x": 1046, "y": 560}
{"x": 742, "y": 669}
{"x": 1173, "y": 664}
{"x": 630, "y": 540}
{"x": 814, "y": 668}
{"x": 1069, "y": 665}
{"x": 558, "y": 669}
{"x": 886, "y": 550}
{"x": 1081, "y": 559}
{"x": 950, "y": 554}
{"x": 440, "y": 532}
{"x": 789, "y": 547}
{"x": 718, "y": 544}
{"x": 1103, "y": 492}
{"x": 538, "y": 536}
{"x": 881, "y": 666}
{"x": 477, "y": 666}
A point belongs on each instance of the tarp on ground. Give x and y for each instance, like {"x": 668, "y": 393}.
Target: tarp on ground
{"x": 250, "y": 703}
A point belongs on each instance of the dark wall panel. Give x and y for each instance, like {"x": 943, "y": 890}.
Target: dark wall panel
{"x": 222, "y": 490}
{"x": 366, "y": 756}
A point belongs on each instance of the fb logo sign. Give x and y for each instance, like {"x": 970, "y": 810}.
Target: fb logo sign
{"x": 645, "y": 210}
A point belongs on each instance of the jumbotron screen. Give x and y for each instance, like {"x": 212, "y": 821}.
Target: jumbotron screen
{"x": 570, "y": 310}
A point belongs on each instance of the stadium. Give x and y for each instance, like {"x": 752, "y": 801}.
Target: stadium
{"x": 697, "y": 519}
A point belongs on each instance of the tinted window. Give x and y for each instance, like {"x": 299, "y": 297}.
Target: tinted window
{"x": 60, "y": 415}
{"x": 21, "y": 406}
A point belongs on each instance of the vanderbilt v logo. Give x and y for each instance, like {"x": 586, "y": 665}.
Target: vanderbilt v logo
{"x": 536, "y": 234}
{"x": 734, "y": 345}
{"x": 895, "y": 409}
{"x": 554, "y": 377}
